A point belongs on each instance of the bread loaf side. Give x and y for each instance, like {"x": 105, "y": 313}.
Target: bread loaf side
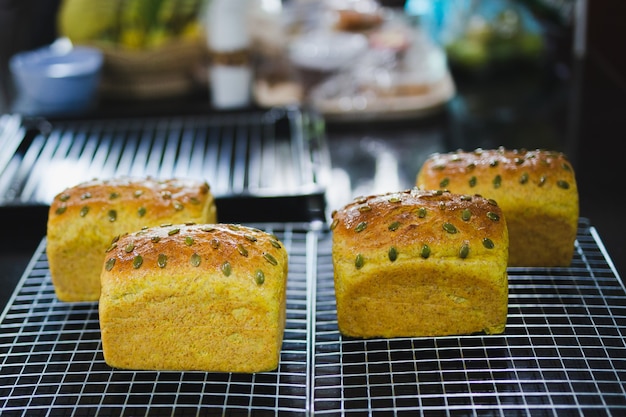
{"x": 194, "y": 297}
{"x": 420, "y": 263}
{"x": 536, "y": 190}
{"x": 84, "y": 219}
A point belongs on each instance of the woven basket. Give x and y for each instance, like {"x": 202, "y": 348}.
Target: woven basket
{"x": 170, "y": 70}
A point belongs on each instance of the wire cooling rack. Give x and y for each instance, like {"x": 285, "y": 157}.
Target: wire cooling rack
{"x": 563, "y": 353}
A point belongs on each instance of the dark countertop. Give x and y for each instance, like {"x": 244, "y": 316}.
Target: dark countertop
{"x": 579, "y": 109}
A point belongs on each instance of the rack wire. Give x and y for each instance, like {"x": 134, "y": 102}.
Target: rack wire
{"x": 563, "y": 353}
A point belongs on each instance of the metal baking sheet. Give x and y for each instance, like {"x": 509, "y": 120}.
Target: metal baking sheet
{"x": 563, "y": 353}
{"x": 276, "y": 159}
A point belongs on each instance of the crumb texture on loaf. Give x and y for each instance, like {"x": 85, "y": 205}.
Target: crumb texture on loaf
{"x": 208, "y": 297}
{"x": 536, "y": 190}
{"x": 420, "y": 263}
{"x": 83, "y": 220}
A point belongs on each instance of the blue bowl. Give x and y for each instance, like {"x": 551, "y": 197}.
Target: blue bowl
{"x": 53, "y": 80}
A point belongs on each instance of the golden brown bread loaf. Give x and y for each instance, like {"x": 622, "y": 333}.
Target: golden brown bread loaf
{"x": 420, "y": 263}
{"x": 194, "y": 297}
{"x": 83, "y": 220}
{"x": 536, "y": 190}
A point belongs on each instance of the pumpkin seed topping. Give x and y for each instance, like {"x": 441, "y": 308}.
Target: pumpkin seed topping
{"x": 464, "y": 251}
{"x": 214, "y": 243}
{"x": 114, "y": 195}
{"x": 519, "y": 161}
{"x": 360, "y": 200}
{"x": 442, "y": 205}
{"x": 542, "y": 180}
{"x": 166, "y": 224}
{"x": 449, "y": 227}
{"x": 166, "y": 195}
{"x": 566, "y": 166}
{"x": 472, "y": 181}
{"x": 492, "y": 202}
{"x": 466, "y": 197}
{"x": 110, "y": 264}
{"x": 523, "y": 179}
{"x": 141, "y": 211}
{"x": 173, "y": 231}
{"x": 444, "y": 182}
{"x": 111, "y": 247}
{"x": 112, "y": 215}
{"x": 208, "y": 229}
{"x": 365, "y": 208}
{"x": 493, "y": 216}
{"x": 195, "y": 260}
{"x": 242, "y": 251}
{"x": 466, "y": 214}
{"x": 359, "y": 261}
{"x": 394, "y": 226}
{"x": 394, "y": 200}
{"x": 259, "y": 277}
{"x": 61, "y": 209}
{"x": 129, "y": 248}
{"x": 393, "y": 254}
{"x": 137, "y": 193}
{"x": 194, "y": 201}
{"x": 155, "y": 239}
{"x": 64, "y": 197}
{"x": 178, "y": 206}
{"x": 275, "y": 243}
{"x": 425, "y": 252}
{"x": 226, "y": 269}
{"x": 162, "y": 260}
{"x": 497, "y": 181}
{"x": 334, "y": 224}
{"x": 115, "y": 239}
{"x": 250, "y": 238}
{"x": 137, "y": 261}
{"x": 494, "y": 163}
{"x": 233, "y": 227}
{"x": 488, "y": 243}
{"x": 269, "y": 258}
{"x": 562, "y": 184}
{"x": 189, "y": 240}
{"x": 421, "y": 212}
{"x": 360, "y": 227}
{"x": 85, "y": 196}
{"x": 83, "y": 211}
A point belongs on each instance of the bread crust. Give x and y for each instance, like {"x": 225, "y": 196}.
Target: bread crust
{"x": 536, "y": 190}
{"x": 420, "y": 263}
{"x": 83, "y": 220}
{"x": 194, "y": 297}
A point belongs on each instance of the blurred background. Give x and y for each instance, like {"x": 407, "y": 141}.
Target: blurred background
{"x": 348, "y": 58}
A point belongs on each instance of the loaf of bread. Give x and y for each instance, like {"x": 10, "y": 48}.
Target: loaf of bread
{"x": 420, "y": 263}
{"x": 536, "y": 190}
{"x": 194, "y": 297}
{"x": 84, "y": 219}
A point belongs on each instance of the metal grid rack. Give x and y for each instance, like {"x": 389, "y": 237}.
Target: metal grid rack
{"x": 563, "y": 353}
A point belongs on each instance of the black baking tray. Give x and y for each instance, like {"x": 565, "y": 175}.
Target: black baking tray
{"x": 563, "y": 352}
{"x": 262, "y": 165}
